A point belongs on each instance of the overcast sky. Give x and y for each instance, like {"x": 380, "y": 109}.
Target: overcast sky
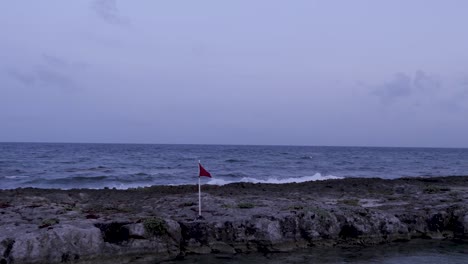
{"x": 353, "y": 73}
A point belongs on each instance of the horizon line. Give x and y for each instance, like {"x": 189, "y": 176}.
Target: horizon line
{"x": 225, "y": 144}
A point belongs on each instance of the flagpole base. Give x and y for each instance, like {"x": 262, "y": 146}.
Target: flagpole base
{"x": 200, "y": 217}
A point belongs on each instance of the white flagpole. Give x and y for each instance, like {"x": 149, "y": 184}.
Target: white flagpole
{"x": 199, "y": 191}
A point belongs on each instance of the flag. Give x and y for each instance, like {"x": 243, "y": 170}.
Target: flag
{"x": 202, "y": 171}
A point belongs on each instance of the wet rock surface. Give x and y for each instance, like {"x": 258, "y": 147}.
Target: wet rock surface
{"x": 148, "y": 225}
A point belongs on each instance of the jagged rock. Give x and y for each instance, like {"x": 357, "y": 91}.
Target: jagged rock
{"x": 55, "y": 245}
{"x": 160, "y": 223}
{"x": 136, "y": 231}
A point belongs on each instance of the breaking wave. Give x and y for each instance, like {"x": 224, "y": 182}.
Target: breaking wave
{"x": 315, "y": 177}
{"x": 234, "y": 160}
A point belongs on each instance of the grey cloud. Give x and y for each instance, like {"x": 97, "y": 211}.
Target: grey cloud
{"x": 424, "y": 90}
{"x": 55, "y": 78}
{"x": 42, "y": 76}
{"x": 109, "y": 12}
{"x": 399, "y": 86}
{"x": 54, "y": 61}
{"x": 62, "y": 63}
{"x": 426, "y": 82}
{"x": 21, "y": 77}
{"x": 404, "y": 85}
{"x": 52, "y": 71}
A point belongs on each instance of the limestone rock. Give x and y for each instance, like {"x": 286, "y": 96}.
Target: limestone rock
{"x": 108, "y": 226}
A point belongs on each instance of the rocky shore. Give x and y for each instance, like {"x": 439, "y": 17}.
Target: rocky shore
{"x": 148, "y": 225}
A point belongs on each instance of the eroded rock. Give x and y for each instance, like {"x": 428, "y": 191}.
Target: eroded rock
{"x": 160, "y": 223}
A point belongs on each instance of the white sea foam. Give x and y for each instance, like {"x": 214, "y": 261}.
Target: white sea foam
{"x": 315, "y": 177}
{"x": 16, "y": 177}
{"x": 118, "y": 186}
{"x": 125, "y": 186}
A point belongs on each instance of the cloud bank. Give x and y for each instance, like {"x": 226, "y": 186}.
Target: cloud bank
{"x": 108, "y": 11}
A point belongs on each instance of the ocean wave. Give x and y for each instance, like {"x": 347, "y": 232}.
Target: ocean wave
{"x": 141, "y": 174}
{"x": 67, "y": 162}
{"x": 68, "y": 180}
{"x": 232, "y": 174}
{"x": 15, "y": 171}
{"x": 234, "y": 160}
{"x": 125, "y": 186}
{"x": 16, "y": 177}
{"x": 134, "y": 179}
{"x": 98, "y": 168}
{"x": 315, "y": 177}
{"x": 87, "y": 178}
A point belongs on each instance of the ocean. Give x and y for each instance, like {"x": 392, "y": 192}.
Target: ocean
{"x": 420, "y": 251}
{"x": 122, "y": 166}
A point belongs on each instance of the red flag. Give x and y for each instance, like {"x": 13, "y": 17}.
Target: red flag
{"x": 202, "y": 171}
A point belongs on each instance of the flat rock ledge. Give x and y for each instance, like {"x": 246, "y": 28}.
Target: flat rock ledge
{"x": 154, "y": 224}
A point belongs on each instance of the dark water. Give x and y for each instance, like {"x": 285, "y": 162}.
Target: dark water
{"x": 132, "y": 165}
{"x": 426, "y": 252}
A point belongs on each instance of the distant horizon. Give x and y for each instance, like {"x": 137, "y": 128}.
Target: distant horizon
{"x": 227, "y": 144}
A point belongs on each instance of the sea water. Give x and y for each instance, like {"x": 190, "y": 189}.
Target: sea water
{"x": 414, "y": 252}
{"x": 65, "y": 166}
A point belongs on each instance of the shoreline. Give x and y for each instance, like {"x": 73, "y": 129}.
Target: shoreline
{"x": 220, "y": 182}
{"x": 210, "y": 181}
{"x": 414, "y": 251}
{"x": 160, "y": 223}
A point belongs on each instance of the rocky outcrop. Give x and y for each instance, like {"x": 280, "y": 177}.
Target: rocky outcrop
{"x": 160, "y": 223}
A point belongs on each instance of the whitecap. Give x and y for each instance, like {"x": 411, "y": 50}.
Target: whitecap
{"x": 315, "y": 177}
{"x": 16, "y": 177}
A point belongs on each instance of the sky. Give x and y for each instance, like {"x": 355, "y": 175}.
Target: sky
{"x": 263, "y": 72}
